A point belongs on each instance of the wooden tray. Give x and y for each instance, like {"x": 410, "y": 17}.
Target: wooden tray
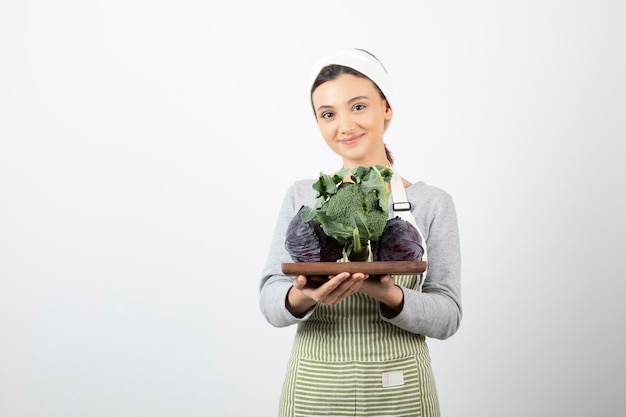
{"x": 372, "y": 268}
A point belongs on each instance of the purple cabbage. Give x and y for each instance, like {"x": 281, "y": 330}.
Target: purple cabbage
{"x": 400, "y": 241}
{"x": 307, "y": 242}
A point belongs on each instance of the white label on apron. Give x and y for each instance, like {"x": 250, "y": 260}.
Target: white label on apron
{"x": 393, "y": 379}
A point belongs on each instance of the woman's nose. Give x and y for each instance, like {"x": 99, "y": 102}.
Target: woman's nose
{"x": 346, "y": 124}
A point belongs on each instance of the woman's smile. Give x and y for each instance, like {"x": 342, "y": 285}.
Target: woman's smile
{"x": 351, "y": 140}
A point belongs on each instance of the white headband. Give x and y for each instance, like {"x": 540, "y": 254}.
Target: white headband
{"x": 363, "y": 62}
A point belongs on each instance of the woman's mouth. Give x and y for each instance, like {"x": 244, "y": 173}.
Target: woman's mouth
{"x": 351, "y": 140}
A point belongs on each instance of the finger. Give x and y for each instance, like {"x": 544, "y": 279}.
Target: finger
{"x": 346, "y": 289}
{"x": 332, "y": 291}
{"x": 359, "y": 276}
{"x": 339, "y": 277}
{"x": 299, "y": 282}
{"x": 386, "y": 279}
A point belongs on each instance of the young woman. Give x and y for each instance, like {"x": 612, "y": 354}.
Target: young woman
{"x": 360, "y": 346}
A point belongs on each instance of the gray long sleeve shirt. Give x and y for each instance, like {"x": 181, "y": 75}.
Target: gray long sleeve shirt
{"x": 434, "y": 312}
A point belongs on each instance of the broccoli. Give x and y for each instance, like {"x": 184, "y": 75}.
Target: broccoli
{"x": 354, "y": 213}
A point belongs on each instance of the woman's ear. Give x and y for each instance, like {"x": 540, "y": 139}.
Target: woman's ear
{"x": 388, "y": 111}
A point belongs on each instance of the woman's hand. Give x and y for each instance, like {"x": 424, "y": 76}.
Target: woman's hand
{"x": 384, "y": 289}
{"x": 308, "y": 291}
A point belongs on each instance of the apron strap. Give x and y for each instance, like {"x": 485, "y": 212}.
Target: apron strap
{"x": 401, "y": 207}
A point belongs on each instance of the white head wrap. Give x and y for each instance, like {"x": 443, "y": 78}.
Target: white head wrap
{"x": 363, "y": 62}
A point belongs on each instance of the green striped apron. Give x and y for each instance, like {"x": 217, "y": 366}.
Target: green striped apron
{"x": 346, "y": 361}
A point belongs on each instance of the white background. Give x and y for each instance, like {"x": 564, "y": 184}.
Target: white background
{"x": 145, "y": 147}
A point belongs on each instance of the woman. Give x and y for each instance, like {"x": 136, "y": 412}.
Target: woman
{"x": 360, "y": 346}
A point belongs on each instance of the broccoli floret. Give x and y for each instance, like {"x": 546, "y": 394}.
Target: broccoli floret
{"x": 376, "y": 216}
{"x": 353, "y": 213}
{"x": 348, "y": 200}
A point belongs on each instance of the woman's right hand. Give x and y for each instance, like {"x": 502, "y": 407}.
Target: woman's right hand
{"x": 308, "y": 291}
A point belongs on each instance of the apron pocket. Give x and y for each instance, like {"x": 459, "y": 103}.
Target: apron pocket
{"x": 375, "y": 389}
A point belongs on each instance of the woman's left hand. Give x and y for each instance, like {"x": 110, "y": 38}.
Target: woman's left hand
{"x": 384, "y": 289}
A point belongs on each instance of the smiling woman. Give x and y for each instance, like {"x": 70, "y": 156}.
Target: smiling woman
{"x": 360, "y": 346}
{"x": 352, "y": 115}
{"x": 326, "y": 90}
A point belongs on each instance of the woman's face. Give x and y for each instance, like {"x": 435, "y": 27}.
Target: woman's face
{"x": 351, "y": 116}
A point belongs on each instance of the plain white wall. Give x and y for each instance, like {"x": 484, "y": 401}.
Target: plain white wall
{"x": 145, "y": 147}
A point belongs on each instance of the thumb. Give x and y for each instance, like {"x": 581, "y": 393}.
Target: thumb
{"x": 299, "y": 282}
{"x": 386, "y": 279}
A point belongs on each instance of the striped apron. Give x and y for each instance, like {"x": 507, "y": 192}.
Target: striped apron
{"x": 346, "y": 361}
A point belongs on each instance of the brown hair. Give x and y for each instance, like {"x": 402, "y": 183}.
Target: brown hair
{"x": 330, "y": 72}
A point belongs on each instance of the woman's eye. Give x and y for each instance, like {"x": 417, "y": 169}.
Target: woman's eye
{"x": 359, "y": 107}
{"x": 327, "y": 115}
